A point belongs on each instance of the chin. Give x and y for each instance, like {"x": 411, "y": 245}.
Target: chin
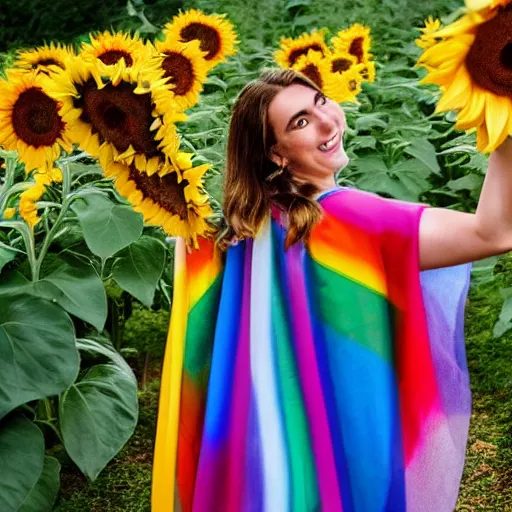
{"x": 342, "y": 162}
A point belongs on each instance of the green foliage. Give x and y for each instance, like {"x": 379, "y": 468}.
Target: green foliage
{"x": 76, "y": 394}
{"x": 107, "y": 227}
{"x": 146, "y": 331}
{"x": 28, "y": 23}
{"x": 138, "y": 268}
{"x": 93, "y": 431}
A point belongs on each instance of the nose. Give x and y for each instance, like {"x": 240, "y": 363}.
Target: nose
{"x": 326, "y": 121}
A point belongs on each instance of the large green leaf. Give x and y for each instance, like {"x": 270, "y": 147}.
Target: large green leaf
{"x": 76, "y": 287}
{"x": 44, "y": 493}
{"x": 38, "y": 355}
{"x": 6, "y": 255}
{"x": 21, "y": 460}
{"x": 98, "y": 414}
{"x": 69, "y": 282}
{"x": 138, "y": 268}
{"x": 425, "y": 152}
{"x": 108, "y": 227}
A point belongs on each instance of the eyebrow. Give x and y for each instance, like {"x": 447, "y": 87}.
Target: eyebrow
{"x": 318, "y": 95}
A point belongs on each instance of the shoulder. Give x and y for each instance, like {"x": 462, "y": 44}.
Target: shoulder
{"x": 370, "y": 211}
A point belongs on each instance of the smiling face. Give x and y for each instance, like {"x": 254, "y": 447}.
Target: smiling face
{"x": 308, "y": 128}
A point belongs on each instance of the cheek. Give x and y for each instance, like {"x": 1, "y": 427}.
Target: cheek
{"x": 303, "y": 144}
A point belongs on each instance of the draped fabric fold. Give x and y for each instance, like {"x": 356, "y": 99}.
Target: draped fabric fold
{"x": 330, "y": 377}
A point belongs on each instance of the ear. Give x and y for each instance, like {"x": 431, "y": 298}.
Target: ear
{"x": 277, "y": 158}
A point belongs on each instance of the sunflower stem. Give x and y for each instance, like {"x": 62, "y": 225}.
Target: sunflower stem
{"x": 28, "y": 238}
{"x": 5, "y": 189}
{"x": 14, "y": 189}
{"x": 66, "y": 201}
{"x": 48, "y": 240}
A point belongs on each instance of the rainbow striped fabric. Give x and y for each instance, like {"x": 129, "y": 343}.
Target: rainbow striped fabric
{"x": 328, "y": 378}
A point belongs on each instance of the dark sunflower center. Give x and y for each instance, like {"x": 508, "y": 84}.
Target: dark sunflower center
{"x": 299, "y": 52}
{"x": 46, "y": 63}
{"x": 180, "y": 71}
{"x": 35, "y": 118}
{"x": 208, "y": 37}
{"x": 118, "y": 115}
{"x": 489, "y": 60}
{"x": 356, "y": 49}
{"x": 166, "y": 191}
{"x": 340, "y": 65}
{"x": 113, "y": 56}
{"x": 311, "y": 71}
{"x": 506, "y": 56}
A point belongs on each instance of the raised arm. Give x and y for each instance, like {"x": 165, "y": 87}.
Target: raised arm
{"x": 448, "y": 237}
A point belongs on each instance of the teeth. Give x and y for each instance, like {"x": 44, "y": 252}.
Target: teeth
{"x": 327, "y": 145}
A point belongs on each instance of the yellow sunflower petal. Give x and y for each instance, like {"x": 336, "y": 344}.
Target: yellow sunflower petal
{"x": 215, "y": 34}
{"x": 497, "y": 111}
{"x": 458, "y": 93}
{"x": 30, "y": 120}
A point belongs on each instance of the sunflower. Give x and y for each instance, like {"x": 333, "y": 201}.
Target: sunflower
{"x": 185, "y": 67}
{"x": 30, "y": 121}
{"x": 341, "y": 62}
{"x": 431, "y": 26}
{"x": 315, "y": 67}
{"x": 110, "y": 48}
{"x": 354, "y": 40}
{"x": 111, "y": 116}
{"x": 9, "y": 213}
{"x": 344, "y": 87}
{"x": 367, "y": 71}
{"x": 179, "y": 207}
{"x": 44, "y": 59}
{"x": 215, "y": 34}
{"x": 478, "y": 5}
{"x": 29, "y": 198}
{"x": 292, "y": 49}
{"x": 472, "y": 62}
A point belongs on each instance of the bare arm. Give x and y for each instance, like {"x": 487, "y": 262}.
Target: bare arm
{"x": 448, "y": 237}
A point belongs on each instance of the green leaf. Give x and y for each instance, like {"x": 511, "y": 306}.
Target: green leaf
{"x": 425, "y": 152}
{"x": 368, "y": 121}
{"x": 482, "y": 271}
{"x": 21, "y": 460}
{"x": 38, "y": 356}
{"x": 138, "y": 268}
{"x": 77, "y": 288}
{"x": 363, "y": 142}
{"x": 69, "y": 282}
{"x": 108, "y": 227}
{"x": 98, "y": 414}
{"x": 214, "y": 80}
{"x": 504, "y": 322}
{"x": 290, "y": 4}
{"x": 469, "y": 182}
{"x": 44, "y": 493}
{"x": 305, "y": 21}
{"x": 6, "y": 255}
{"x": 412, "y": 175}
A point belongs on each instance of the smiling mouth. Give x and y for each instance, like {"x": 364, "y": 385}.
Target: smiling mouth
{"x": 331, "y": 143}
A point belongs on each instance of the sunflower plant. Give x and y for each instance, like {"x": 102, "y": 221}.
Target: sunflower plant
{"x": 338, "y": 68}
{"x": 471, "y": 61}
{"x": 96, "y": 181}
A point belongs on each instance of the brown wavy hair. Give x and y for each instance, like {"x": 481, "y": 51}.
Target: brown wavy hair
{"x": 253, "y": 182}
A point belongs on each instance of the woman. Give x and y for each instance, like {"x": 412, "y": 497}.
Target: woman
{"x": 309, "y": 367}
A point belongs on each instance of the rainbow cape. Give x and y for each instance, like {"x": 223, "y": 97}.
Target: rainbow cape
{"x": 326, "y": 378}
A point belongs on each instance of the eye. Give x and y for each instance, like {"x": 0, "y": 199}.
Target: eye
{"x": 301, "y": 123}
